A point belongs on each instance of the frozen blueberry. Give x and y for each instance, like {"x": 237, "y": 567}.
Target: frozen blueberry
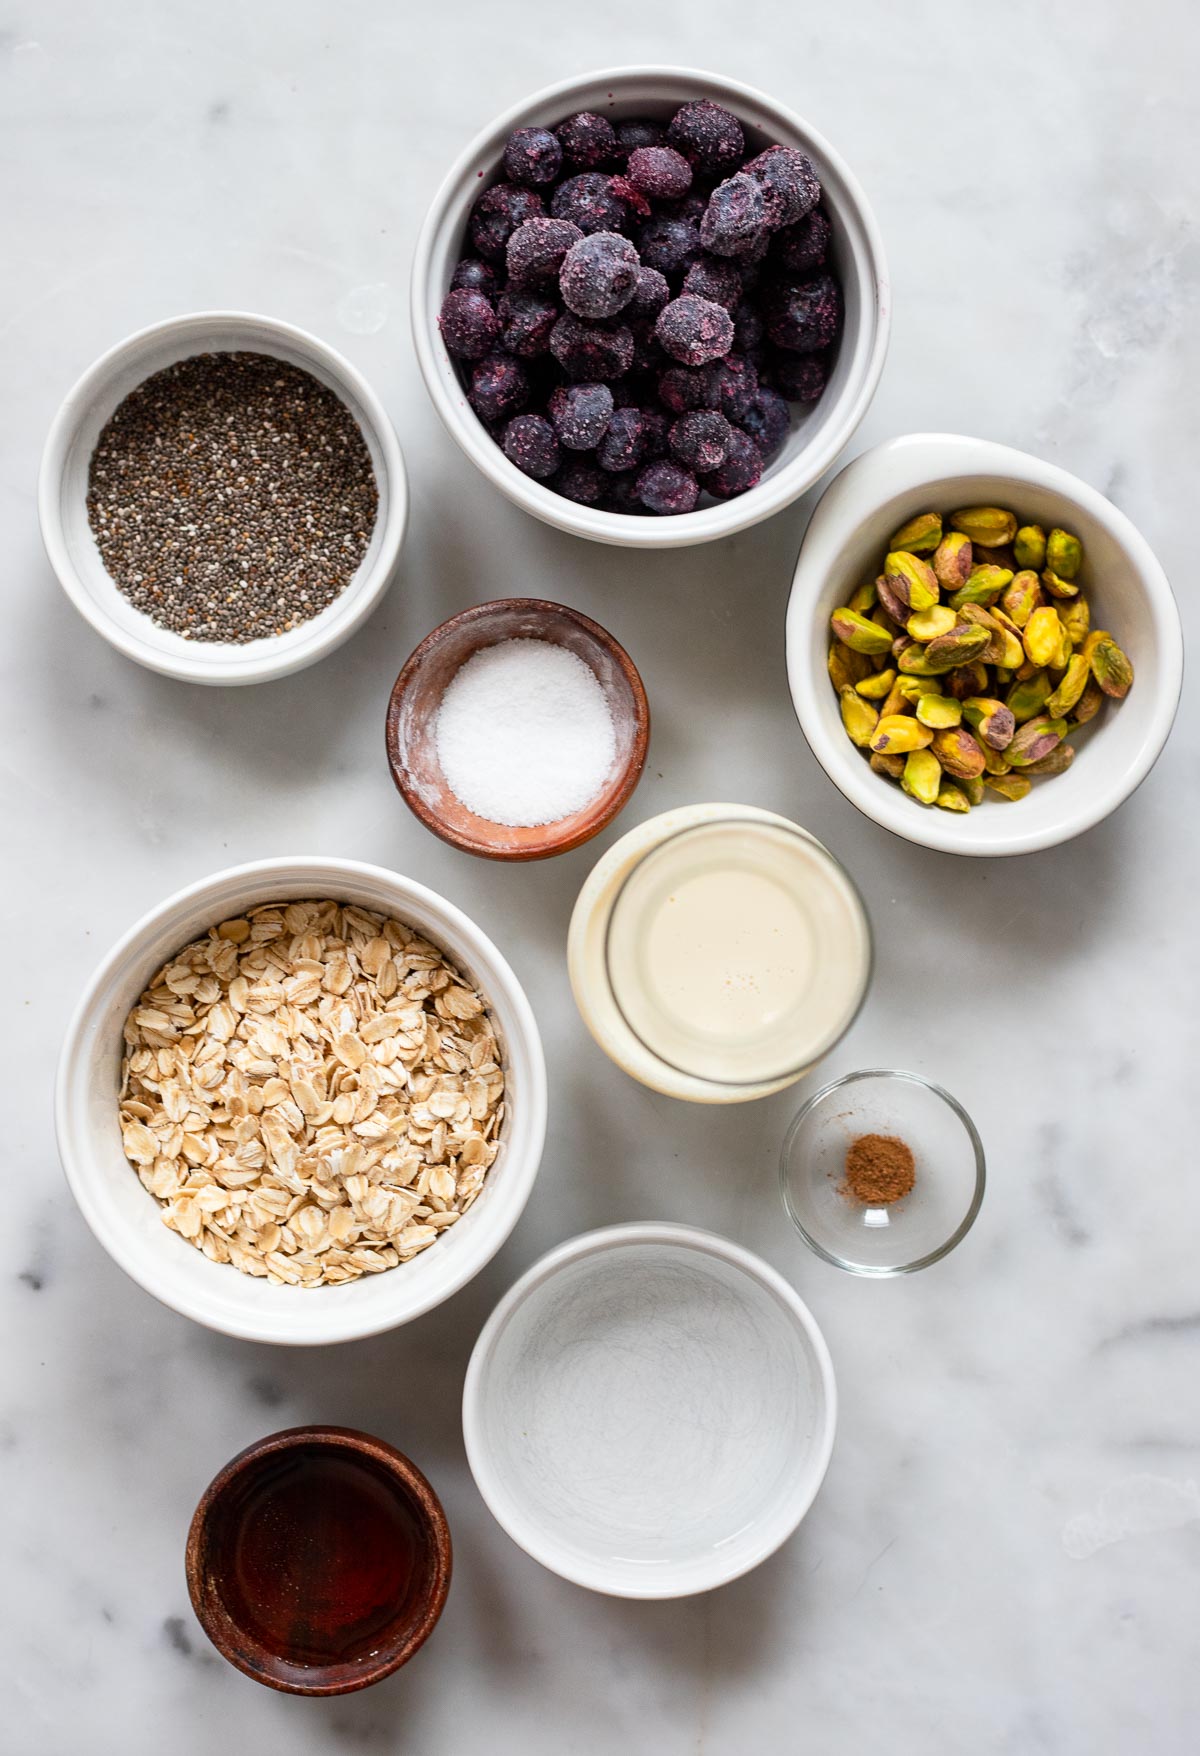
{"x": 631, "y": 195}
{"x": 599, "y": 275}
{"x": 591, "y": 350}
{"x": 789, "y": 183}
{"x": 499, "y": 388}
{"x": 730, "y": 385}
{"x": 496, "y": 216}
{"x": 654, "y": 427}
{"x": 591, "y": 202}
{"x": 807, "y": 317}
{"x": 536, "y": 249}
{"x": 660, "y": 172}
{"x": 526, "y": 320}
{"x": 800, "y": 377}
{"x": 666, "y": 488}
{"x": 700, "y": 441}
{"x": 742, "y": 468}
{"x": 748, "y": 327}
{"x": 707, "y": 136}
{"x": 759, "y": 357}
{"x": 532, "y": 156}
{"x": 624, "y": 444}
{"x": 647, "y": 356}
{"x": 680, "y": 389}
{"x": 623, "y": 497}
{"x": 650, "y": 296}
{"x": 694, "y": 330}
{"x": 800, "y": 248}
{"x": 530, "y": 443}
{"x": 734, "y": 222}
{"x": 587, "y": 140}
{"x": 669, "y": 243}
{"x": 581, "y": 413}
{"x": 710, "y": 278}
{"x": 638, "y": 131}
{"x": 691, "y": 208}
{"x": 474, "y": 276}
{"x": 468, "y": 324}
{"x": 581, "y": 482}
{"x": 767, "y": 421}
{"x": 650, "y": 293}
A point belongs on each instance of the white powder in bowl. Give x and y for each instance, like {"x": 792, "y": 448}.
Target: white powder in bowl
{"x": 524, "y": 733}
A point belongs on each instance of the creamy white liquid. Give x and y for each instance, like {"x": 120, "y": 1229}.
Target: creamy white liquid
{"x": 736, "y": 951}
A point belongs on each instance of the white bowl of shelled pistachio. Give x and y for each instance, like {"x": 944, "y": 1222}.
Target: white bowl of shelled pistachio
{"x": 338, "y": 1112}
{"x": 1119, "y": 577}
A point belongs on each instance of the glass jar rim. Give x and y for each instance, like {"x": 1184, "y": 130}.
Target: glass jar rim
{"x": 756, "y": 820}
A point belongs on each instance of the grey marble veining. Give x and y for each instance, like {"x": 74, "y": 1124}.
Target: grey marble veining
{"x": 1006, "y": 1555}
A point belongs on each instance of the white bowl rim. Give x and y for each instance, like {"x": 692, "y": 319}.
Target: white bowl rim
{"x": 156, "y": 1279}
{"x": 618, "y": 528}
{"x": 595, "y": 1578}
{"x": 904, "y": 463}
{"x": 289, "y": 652}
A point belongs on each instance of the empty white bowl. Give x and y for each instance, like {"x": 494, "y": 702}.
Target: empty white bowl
{"x": 128, "y": 1221}
{"x": 816, "y": 438}
{"x": 649, "y": 1411}
{"x": 1125, "y": 585}
{"x": 71, "y": 547}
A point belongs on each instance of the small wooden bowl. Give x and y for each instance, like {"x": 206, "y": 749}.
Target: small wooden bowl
{"x": 416, "y": 698}
{"x": 318, "y": 1560}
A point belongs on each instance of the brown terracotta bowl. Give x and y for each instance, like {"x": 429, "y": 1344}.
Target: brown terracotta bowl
{"x": 318, "y": 1560}
{"x": 416, "y": 697}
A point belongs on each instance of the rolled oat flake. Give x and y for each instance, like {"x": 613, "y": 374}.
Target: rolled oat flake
{"x": 232, "y": 497}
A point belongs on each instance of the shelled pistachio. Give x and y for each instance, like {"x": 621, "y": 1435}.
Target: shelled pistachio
{"x": 920, "y": 536}
{"x": 858, "y": 717}
{"x": 939, "y": 711}
{"x": 985, "y": 524}
{"x": 922, "y": 778}
{"x": 970, "y": 658}
{"x": 1029, "y": 547}
{"x": 1009, "y": 786}
{"x": 1035, "y": 740}
{"x": 896, "y": 733}
{"x": 1111, "y": 669}
{"x": 877, "y": 686}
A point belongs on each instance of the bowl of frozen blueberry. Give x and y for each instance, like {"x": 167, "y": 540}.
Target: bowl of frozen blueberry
{"x": 651, "y": 305}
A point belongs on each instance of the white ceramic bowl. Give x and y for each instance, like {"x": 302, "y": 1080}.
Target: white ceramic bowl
{"x": 815, "y": 439}
{"x": 650, "y": 1411}
{"x": 127, "y": 1220}
{"x": 71, "y": 547}
{"x": 1126, "y": 586}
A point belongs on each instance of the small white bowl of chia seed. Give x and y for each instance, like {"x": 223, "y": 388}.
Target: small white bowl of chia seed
{"x": 223, "y": 497}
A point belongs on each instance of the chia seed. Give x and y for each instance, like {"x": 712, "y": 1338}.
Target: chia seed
{"x": 232, "y": 497}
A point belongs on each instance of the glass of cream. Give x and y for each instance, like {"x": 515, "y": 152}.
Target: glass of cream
{"x": 717, "y": 952}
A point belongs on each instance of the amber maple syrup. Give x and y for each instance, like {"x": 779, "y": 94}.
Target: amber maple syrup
{"x": 325, "y": 1555}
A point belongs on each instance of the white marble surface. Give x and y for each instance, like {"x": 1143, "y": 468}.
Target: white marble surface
{"x": 983, "y": 1570}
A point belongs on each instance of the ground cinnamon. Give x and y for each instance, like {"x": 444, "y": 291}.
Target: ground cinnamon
{"x": 879, "y": 1169}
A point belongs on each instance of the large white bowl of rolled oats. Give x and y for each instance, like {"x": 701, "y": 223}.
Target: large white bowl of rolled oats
{"x": 302, "y": 1101}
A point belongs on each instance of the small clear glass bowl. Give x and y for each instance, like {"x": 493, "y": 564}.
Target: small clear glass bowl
{"x": 922, "y": 1226}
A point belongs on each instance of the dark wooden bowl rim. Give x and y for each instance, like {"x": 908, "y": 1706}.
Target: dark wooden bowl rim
{"x": 592, "y": 823}
{"x": 250, "y": 1656}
